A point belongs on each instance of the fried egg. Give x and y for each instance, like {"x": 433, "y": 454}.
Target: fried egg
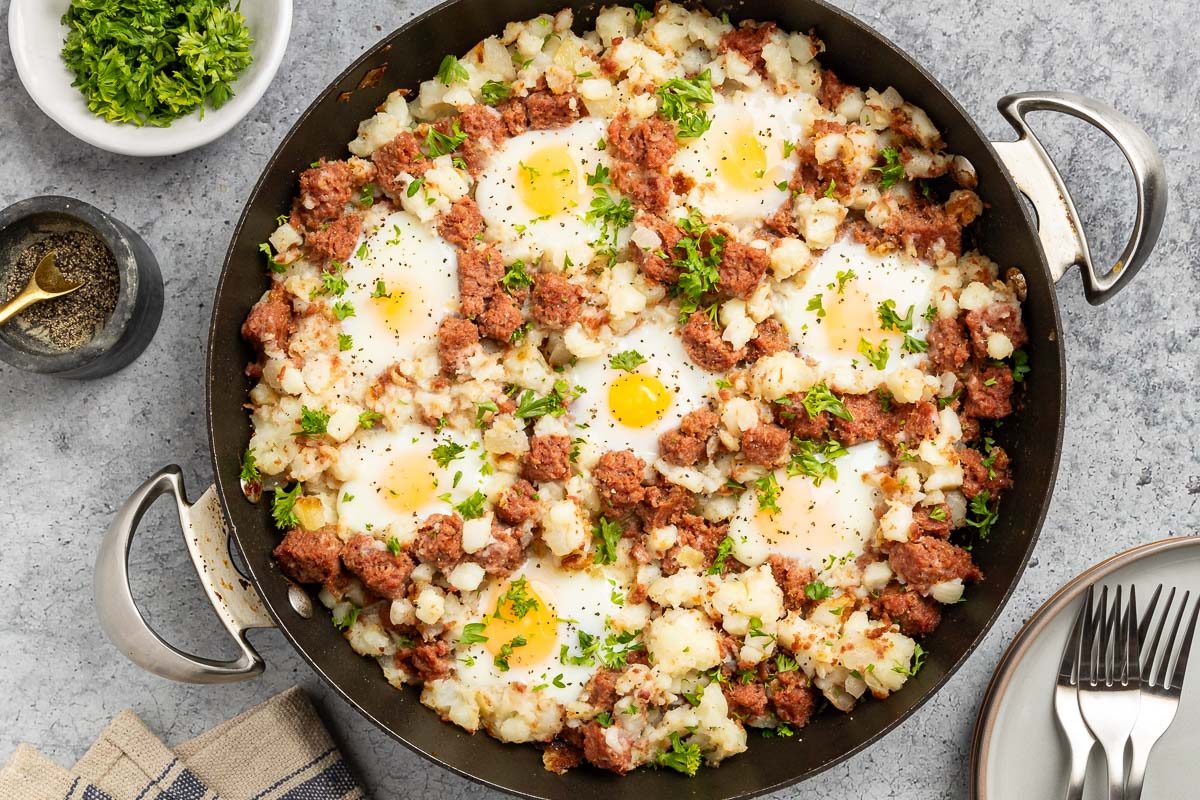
{"x": 399, "y": 477}
{"x": 815, "y": 524}
{"x": 630, "y": 407}
{"x": 835, "y": 315}
{"x": 534, "y": 194}
{"x": 400, "y": 282}
{"x": 740, "y": 163}
{"x": 532, "y": 625}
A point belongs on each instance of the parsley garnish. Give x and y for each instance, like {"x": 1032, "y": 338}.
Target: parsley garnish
{"x": 641, "y": 13}
{"x": 343, "y": 309}
{"x": 482, "y": 409}
{"x": 249, "y": 472}
{"x": 313, "y": 421}
{"x": 681, "y": 101}
{"x": 768, "y": 493}
{"x": 494, "y": 92}
{"x": 819, "y": 399}
{"x": 439, "y": 144}
{"x": 724, "y": 549}
{"x": 842, "y": 278}
{"x": 506, "y": 650}
{"x": 345, "y": 342}
{"x": 604, "y": 719}
{"x": 283, "y": 507}
{"x": 472, "y": 633}
{"x": 980, "y": 515}
{"x": 878, "y": 356}
{"x": 613, "y": 215}
{"x": 272, "y": 264}
{"x": 785, "y": 663}
{"x": 518, "y": 598}
{"x": 451, "y": 71}
{"x": 938, "y": 513}
{"x": 698, "y": 271}
{"x": 344, "y": 623}
{"x": 628, "y": 360}
{"x": 817, "y": 590}
{"x": 890, "y": 320}
{"x": 892, "y": 172}
{"x": 393, "y": 545}
{"x": 599, "y": 177}
{"x": 1020, "y": 365}
{"x": 918, "y": 661}
{"x": 682, "y": 757}
{"x": 814, "y": 304}
{"x": 515, "y": 277}
{"x": 815, "y": 459}
{"x": 472, "y": 507}
{"x": 446, "y": 452}
{"x": 530, "y": 406}
{"x": 367, "y": 419}
{"x": 605, "y": 535}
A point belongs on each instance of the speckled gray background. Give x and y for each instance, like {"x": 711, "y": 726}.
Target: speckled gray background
{"x": 71, "y": 452}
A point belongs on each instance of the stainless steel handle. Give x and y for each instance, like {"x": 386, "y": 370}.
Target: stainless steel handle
{"x": 234, "y": 599}
{"x": 1038, "y": 179}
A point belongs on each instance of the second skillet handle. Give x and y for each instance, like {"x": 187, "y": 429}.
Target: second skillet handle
{"x": 1038, "y": 179}
{"x": 233, "y": 598}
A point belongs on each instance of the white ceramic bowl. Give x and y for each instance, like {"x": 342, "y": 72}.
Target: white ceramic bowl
{"x": 36, "y": 33}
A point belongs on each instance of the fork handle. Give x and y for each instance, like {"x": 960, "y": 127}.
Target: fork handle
{"x": 1139, "y": 752}
{"x": 1115, "y": 757}
{"x": 1075, "y": 779}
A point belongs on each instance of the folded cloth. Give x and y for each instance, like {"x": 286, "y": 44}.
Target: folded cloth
{"x": 276, "y": 751}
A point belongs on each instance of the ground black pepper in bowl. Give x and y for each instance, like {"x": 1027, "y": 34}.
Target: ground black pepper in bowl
{"x": 66, "y": 323}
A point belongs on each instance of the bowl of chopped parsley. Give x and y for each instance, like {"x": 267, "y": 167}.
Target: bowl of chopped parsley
{"x": 148, "y": 77}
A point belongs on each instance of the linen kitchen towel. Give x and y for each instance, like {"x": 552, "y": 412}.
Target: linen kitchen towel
{"x": 276, "y": 751}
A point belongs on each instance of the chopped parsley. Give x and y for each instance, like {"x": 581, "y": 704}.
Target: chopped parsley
{"x": 343, "y": 309}
{"x": 515, "y": 277}
{"x": 393, "y": 545}
{"x": 980, "y": 515}
{"x": 890, "y": 320}
{"x": 472, "y": 633}
{"x": 681, "y": 100}
{"x": 755, "y": 630}
{"x": 599, "y": 177}
{"x": 441, "y": 144}
{"x": 843, "y": 277}
{"x": 345, "y": 342}
{"x": 272, "y": 264}
{"x": 817, "y": 590}
{"x": 605, "y": 535}
{"x": 768, "y": 490}
{"x": 506, "y": 651}
{"x": 333, "y": 282}
{"x": 724, "y": 550}
{"x": 814, "y": 304}
{"x": 892, "y": 171}
{"x": 483, "y": 409}
{"x": 472, "y": 507}
{"x": 878, "y": 356}
{"x": 451, "y": 71}
{"x": 518, "y": 599}
{"x": 604, "y": 719}
{"x": 819, "y": 399}
{"x": 682, "y": 757}
{"x": 698, "y": 271}
{"x": 447, "y": 451}
{"x": 785, "y": 663}
{"x": 313, "y": 421}
{"x": 367, "y": 419}
{"x": 344, "y": 622}
{"x": 830, "y": 189}
{"x": 815, "y": 459}
{"x": 1020, "y": 365}
{"x": 628, "y": 360}
{"x": 530, "y": 406}
{"x": 494, "y": 92}
{"x": 381, "y": 290}
{"x": 938, "y": 513}
{"x": 613, "y": 215}
{"x": 641, "y": 13}
{"x": 283, "y": 507}
{"x": 918, "y": 661}
{"x": 366, "y": 199}
{"x": 249, "y": 472}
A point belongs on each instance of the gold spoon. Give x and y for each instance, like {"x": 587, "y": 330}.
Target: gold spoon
{"x": 46, "y": 284}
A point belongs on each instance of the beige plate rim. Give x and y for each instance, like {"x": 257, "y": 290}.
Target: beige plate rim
{"x": 998, "y": 686}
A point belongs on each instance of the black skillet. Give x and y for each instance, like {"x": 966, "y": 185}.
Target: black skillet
{"x": 410, "y": 55}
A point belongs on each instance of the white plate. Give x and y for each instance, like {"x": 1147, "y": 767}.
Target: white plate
{"x": 1018, "y": 753}
{"x": 36, "y": 33}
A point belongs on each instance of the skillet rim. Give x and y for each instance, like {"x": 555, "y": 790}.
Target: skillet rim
{"x": 869, "y": 35}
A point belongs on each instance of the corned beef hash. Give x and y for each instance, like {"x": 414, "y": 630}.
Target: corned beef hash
{"x": 627, "y": 391}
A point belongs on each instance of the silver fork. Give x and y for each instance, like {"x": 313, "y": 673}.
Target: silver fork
{"x": 1066, "y": 704}
{"x": 1160, "y": 692}
{"x": 1110, "y": 680}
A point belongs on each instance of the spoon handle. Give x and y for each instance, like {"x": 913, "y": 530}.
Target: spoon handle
{"x": 19, "y": 303}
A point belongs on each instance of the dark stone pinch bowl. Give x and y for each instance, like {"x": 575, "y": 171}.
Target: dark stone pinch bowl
{"x": 139, "y": 300}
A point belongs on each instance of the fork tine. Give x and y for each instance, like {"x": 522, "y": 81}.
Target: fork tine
{"x": 1109, "y": 663}
{"x": 1152, "y": 653}
{"x": 1148, "y": 616}
{"x": 1181, "y": 661}
{"x": 1130, "y": 666}
{"x": 1068, "y": 668}
{"x": 1165, "y": 664}
{"x": 1084, "y": 660}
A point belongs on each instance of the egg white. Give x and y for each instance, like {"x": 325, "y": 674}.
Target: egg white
{"x": 577, "y": 601}
{"x": 739, "y": 163}
{"x": 831, "y": 340}
{"x": 525, "y": 232}
{"x": 419, "y": 270}
{"x": 394, "y": 482}
{"x": 666, "y": 360}
{"x": 815, "y": 524}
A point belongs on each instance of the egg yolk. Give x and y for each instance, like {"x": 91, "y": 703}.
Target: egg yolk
{"x": 743, "y": 160}
{"x": 546, "y": 181}
{"x": 638, "y": 400}
{"x": 409, "y": 483}
{"x": 810, "y": 519}
{"x": 849, "y": 318}
{"x": 395, "y": 306}
{"x": 522, "y": 627}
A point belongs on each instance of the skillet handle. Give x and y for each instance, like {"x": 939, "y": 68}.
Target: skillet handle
{"x": 1038, "y": 179}
{"x": 233, "y": 598}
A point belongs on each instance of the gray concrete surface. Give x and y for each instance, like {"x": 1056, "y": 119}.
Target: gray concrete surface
{"x": 71, "y": 452}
